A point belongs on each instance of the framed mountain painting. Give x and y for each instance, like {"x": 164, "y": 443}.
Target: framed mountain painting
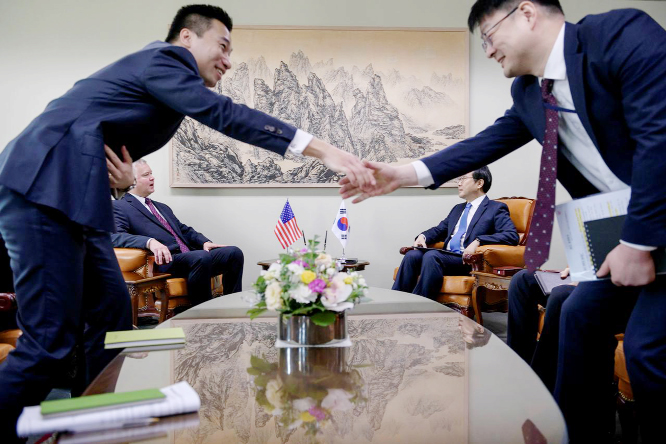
{"x": 389, "y": 95}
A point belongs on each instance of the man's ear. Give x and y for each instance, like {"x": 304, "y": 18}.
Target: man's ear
{"x": 529, "y": 11}
{"x": 185, "y": 37}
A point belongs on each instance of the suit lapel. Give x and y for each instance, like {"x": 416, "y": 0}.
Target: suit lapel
{"x": 453, "y": 220}
{"x": 477, "y": 215}
{"x": 143, "y": 210}
{"x": 574, "y": 60}
{"x": 534, "y": 102}
{"x": 167, "y": 216}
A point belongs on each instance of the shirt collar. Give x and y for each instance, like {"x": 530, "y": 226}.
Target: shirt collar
{"x": 476, "y": 202}
{"x": 556, "y": 68}
{"x": 139, "y": 198}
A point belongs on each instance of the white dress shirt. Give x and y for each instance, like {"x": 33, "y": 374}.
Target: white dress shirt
{"x": 472, "y": 211}
{"x": 300, "y": 141}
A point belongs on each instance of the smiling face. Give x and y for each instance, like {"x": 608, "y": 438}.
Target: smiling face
{"x": 509, "y": 41}
{"x": 212, "y": 51}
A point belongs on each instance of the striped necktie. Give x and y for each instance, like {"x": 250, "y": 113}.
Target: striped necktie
{"x": 181, "y": 244}
{"x": 541, "y": 229}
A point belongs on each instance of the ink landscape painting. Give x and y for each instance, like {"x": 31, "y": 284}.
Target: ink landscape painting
{"x": 388, "y": 95}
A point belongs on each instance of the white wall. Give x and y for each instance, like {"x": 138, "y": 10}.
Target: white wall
{"x": 48, "y": 45}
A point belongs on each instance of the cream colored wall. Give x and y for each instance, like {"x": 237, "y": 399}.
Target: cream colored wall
{"x": 48, "y": 45}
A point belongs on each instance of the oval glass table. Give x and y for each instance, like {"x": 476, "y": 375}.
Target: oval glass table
{"x": 416, "y": 372}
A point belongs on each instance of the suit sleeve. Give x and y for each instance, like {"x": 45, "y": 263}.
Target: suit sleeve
{"x": 505, "y": 231}
{"x": 122, "y": 237}
{"x": 173, "y": 79}
{"x": 637, "y": 58}
{"x": 507, "y": 134}
{"x": 191, "y": 236}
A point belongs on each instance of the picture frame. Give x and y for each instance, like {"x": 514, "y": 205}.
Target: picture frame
{"x": 384, "y": 94}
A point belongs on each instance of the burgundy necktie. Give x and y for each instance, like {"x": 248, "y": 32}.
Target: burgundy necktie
{"x": 181, "y": 244}
{"x": 541, "y": 228}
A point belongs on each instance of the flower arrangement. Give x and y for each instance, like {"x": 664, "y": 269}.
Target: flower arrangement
{"x": 304, "y": 401}
{"x": 307, "y": 282}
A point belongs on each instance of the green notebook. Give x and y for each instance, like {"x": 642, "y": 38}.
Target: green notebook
{"x": 139, "y": 338}
{"x": 105, "y": 401}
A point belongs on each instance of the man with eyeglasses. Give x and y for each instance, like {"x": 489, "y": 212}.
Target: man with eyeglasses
{"x": 478, "y": 221}
{"x": 593, "y": 94}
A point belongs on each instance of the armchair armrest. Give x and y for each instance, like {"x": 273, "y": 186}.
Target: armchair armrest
{"x": 404, "y": 250}
{"x": 488, "y": 257}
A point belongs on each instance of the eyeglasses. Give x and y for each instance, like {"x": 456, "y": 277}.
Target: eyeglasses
{"x": 487, "y": 40}
{"x": 461, "y": 179}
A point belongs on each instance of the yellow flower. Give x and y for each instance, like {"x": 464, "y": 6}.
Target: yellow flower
{"x": 348, "y": 280}
{"x": 308, "y": 276}
{"x": 307, "y": 417}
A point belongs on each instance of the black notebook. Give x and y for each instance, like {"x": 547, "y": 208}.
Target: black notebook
{"x": 548, "y": 280}
{"x": 452, "y": 253}
{"x": 604, "y": 234}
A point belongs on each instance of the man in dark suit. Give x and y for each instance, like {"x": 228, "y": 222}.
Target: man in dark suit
{"x": 179, "y": 249}
{"x": 54, "y": 191}
{"x": 525, "y": 296}
{"x": 478, "y": 221}
{"x": 601, "y": 100}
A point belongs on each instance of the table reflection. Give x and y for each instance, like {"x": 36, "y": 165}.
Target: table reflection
{"x": 306, "y": 387}
{"x": 416, "y": 372}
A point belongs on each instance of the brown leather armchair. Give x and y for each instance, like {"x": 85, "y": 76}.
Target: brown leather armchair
{"x": 137, "y": 267}
{"x": 457, "y": 291}
{"x": 8, "y": 336}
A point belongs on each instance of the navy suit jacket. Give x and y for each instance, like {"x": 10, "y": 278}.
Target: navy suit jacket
{"x": 491, "y": 224}
{"x": 138, "y": 101}
{"x": 135, "y": 224}
{"x": 615, "y": 66}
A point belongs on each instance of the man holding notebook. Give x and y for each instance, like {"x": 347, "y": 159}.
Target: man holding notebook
{"x": 478, "y": 221}
{"x": 592, "y": 94}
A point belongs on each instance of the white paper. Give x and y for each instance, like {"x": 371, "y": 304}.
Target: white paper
{"x": 180, "y": 398}
{"x": 133, "y": 434}
{"x": 571, "y": 217}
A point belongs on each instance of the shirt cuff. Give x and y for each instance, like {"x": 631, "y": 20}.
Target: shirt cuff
{"x": 638, "y": 247}
{"x": 300, "y": 141}
{"x": 148, "y": 243}
{"x": 423, "y": 173}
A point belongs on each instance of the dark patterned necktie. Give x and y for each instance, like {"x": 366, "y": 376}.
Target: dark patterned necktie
{"x": 541, "y": 228}
{"x": 181, "y": 244}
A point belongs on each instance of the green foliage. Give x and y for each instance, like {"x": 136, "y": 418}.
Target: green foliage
{"x": 324, "y": 318}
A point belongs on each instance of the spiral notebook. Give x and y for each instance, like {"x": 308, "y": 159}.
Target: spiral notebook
{"x": 604, "y": 234}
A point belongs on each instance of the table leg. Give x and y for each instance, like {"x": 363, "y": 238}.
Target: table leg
{"x": 476, "y": 304}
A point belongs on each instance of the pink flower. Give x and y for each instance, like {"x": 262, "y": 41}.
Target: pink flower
{"x": 301, "y": 263}
{"x": 303, "y": 250}
{"x": 317, "y": 413}
{"x": 317, "y": 286}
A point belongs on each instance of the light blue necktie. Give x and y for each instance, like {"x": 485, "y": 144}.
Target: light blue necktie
{"x": 455, "y": 240}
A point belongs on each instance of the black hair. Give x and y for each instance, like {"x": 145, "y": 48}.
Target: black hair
{"x": 483, "y": 173}
{"x": 483, "y": 8}
{"x": 197, "y": 18}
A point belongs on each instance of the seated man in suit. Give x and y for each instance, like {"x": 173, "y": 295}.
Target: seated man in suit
{"x": 469, "y": 225}
{"x": 179, "y": 249}
{"x": 525, "y": 296}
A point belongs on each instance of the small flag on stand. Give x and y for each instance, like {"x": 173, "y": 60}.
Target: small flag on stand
{"x": 287, "y": 230}
{"x": 341, "y": 226}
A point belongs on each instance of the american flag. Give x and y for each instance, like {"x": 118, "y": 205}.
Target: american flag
{"x": 287, "y": 230}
